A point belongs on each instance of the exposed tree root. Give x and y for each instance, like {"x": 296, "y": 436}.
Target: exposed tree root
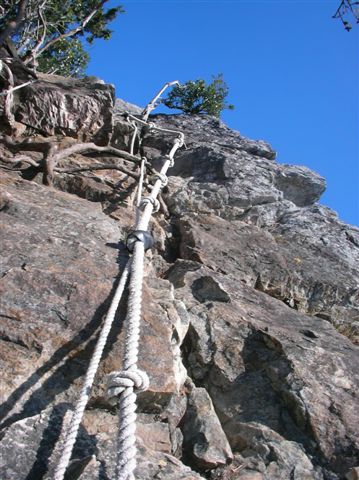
{"x": 52, "y": 156}
{"x": 97, "y": 167}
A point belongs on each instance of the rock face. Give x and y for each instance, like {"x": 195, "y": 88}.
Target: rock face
{"x": 249, "y": 329}
{"x": 79, "y": 108}
{"x": 204, "y": 441}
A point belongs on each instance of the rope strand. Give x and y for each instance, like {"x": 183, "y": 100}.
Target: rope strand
{"x": 123, "y": 385}
{"x": 90, "y": 375}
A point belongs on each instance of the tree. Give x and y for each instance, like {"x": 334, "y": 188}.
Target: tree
{"x": 195, "y": 97}
{"x": 347, "y": 9}
{"x": 49, "y": 34}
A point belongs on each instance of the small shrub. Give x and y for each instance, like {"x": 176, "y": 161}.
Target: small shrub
{"x": 195, "y": 97}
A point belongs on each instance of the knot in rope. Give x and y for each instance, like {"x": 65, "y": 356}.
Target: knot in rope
{"x": 172, "y": 161}
{"x": 146, "y": 200}
{"x": 180, "y": 140}
{"x": 149, "y": 127}
{"x": 159, "y": 176}
{"x": 122, "y": 386}
{"x": 118, "y": 381}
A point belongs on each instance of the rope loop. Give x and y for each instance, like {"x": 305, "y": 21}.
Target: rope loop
{"x": 118, "y": 381}
{"x": 172, "y": 161}
{"x": 154, "y": 201}
{"x": 148, "y": 128}
{"x": 159, "y": 176}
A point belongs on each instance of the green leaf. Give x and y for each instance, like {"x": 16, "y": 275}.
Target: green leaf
{"x": 195, "y": 97}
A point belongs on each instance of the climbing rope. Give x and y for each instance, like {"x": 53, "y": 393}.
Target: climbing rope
{"x": 140, "y": 187}
{"x": 152, "y": 105}
{"x": 89, "y": 378}
{"x": 134, "y": 135}
{"x": 122, "y": 386}
{"x": 122, "y": 383}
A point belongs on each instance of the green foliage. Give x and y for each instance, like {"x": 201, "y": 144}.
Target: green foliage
{"x": 67, "y": 57}
{"x": 195, "y": 97}
{"x": 54, "y": 32}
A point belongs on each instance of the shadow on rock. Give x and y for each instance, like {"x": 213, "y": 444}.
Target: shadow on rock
{"x": 73, "y": 367}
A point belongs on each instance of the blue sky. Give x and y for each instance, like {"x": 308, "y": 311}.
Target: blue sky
{"x": 291, "y": 69}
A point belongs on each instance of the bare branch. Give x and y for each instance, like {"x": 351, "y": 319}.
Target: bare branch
{"x": 97, "y": 167}
{"x": 26, "y": 144}
{"x": 12, "y": 89}
{"x": 22, "y": 158}
{"x": 163, "y": 206}
{"x": 43, "y": 36}
{"x": 92, "y": 147}
{"x": 52, "y": 157}
{"x": 68, "y": 34}
{"x": 49, "y": 165}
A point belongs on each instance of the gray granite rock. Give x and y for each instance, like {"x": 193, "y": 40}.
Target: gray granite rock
{"x": 122, "y": 107}
{"x": 36, "y": 443}
{"x": 263, "y": 362}
{"x": 78, "y": 108}
{"x": 204, "y": 443}
{"x": 251, "y": 289}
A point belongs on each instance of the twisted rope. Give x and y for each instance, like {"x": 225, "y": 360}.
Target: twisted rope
{"x": 123, "y": 384}
{"x": 126, "y": 444}
{"x": 159, "y": 176}
{"x": 126, "y": 447}
{"x": 152, "y": 105}
{"x": 140, "y": 187}
{"x": 89, "y": 378}
{"x": 155, "y": 203}
{"x": 134, "y": 135}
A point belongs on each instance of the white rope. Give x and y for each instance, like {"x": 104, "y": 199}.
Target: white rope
{"x": 140, "y": 187}
{"x": 154, "y": 201}
{"x": 152, "y": 105}
{"x": 147, "y": 211}
{"x": 134, "y": 125}
{"x": 152, "y": 125}
{"x": 126, "y": 446}
{"x": 126, "y": 450}
{"x": 90, "y": 375}
{"x": 124, "y": 384}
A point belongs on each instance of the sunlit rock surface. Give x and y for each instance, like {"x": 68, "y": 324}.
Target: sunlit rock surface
{"x": 250, "y": 307}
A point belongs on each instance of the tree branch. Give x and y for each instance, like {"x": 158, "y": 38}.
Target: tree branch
{"x": 52, "y": 157}
{"x": 14, "y": 25}
{"x": 97, "y": 167}
{"x": 43, "y": 36}
{"x": 22, "y": 158}
{"x": 70, "y": 33}
{"x": 66, "y": 152}
{"x": 26, "y": 144}
{"x": 92, "y": 147}
{"x": 49, "y": 165}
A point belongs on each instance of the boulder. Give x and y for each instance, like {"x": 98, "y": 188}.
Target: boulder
{"x": 78, "y": 108}
{"x": 204, "y": 442}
